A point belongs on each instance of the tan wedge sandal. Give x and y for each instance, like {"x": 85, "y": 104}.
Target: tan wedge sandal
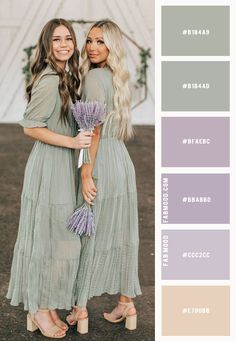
{"x": 124, "y": 311}
{"x": 33, "y": 325}
{"x": 79, "y": 316}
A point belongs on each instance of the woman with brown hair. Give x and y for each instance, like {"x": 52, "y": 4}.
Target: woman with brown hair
{"x": 46, "y": 255}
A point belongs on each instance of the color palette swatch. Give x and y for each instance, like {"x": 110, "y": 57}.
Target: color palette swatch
{"x": 194, "y": 92}
{"x": 195, "y": 31}
{"x": 195, "y": 86}
{"x": 195, "y": 141}
{"x": 195, "y": 198}
{"x": 195, "y": 254}
{"x": 195, "y": 310}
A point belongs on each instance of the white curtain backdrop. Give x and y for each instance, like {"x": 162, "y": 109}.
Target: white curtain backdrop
{"x": 22, "y": 21}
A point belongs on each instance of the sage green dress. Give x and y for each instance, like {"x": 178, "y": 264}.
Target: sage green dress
{"x": 109, "y": 259}
{"x": 46, "y": 254}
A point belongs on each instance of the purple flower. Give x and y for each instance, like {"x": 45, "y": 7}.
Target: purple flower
{"x": 82, "y": 221}
{"x": 88, "y": 114}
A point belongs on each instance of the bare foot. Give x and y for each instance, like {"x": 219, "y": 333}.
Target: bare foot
{"x": 45, "y": 321}
{"x": 58, "y": 321}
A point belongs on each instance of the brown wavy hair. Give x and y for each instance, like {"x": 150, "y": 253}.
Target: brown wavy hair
{"x": 68, "y": 82}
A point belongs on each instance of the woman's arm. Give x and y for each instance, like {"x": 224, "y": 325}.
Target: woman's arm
{"x": 82, "y": 140}
{"x": 88, "y": 188}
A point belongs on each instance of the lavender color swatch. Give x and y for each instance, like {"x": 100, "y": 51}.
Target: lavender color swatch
{"x": 195, "y": 141}
{"x": 195, "y": 254}
{"x": 195, "y": 198}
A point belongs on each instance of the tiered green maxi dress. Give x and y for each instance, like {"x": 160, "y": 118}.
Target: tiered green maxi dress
{"x": 46, "y": 254}
{"x": 109, "y": 259}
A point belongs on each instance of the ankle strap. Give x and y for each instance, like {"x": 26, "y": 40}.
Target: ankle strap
{"x": 80, "y": 308}
{"x": 43, "y": 310}
{"x": 127, "y": 304}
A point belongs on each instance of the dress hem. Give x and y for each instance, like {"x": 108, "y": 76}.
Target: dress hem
{"x": 82, "y": 303}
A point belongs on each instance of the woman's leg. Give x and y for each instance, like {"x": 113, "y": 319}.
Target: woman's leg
{"x": 56, "y": 319}
{"x": 42, "y": 319}
{"x": 125, "y": 299}
{"x": 125, "y": 310}
{"x": 79, "y": 316}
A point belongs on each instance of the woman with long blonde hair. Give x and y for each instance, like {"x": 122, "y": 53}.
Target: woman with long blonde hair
{"x": 109, "y": 258}
{"x": 46, "y": 254}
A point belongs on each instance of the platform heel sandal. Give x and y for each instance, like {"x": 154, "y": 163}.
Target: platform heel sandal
{"x": 124, "y": 311}
{"x": 79, "y": 316}
{"x": 33, "y": 325}
{"x": 131, "y": 322}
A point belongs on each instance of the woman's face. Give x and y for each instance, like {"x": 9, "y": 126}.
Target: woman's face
{"x": 96, "y": 48}
{"x": 62, "y": 45}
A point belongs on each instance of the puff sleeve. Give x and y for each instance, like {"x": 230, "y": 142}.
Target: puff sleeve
{"x": 93, "y": 88}
{"x": 43, "y": 102}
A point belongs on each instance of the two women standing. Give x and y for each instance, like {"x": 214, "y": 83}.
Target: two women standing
{"x": 53, "y": 268}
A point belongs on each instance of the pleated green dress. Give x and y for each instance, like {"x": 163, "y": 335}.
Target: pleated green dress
{"x": 46, "y": 254}
{"x": 109, "y": 258}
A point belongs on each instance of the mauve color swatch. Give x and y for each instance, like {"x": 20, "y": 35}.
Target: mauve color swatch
{"x": 195, "y": 198}
{"x": 195, "y": 255}
{"x": 195, "y": 141}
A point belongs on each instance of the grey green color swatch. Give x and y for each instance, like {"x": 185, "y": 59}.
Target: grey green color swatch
{"x": 195, "y": 86}
{"x": 195, "y": 31}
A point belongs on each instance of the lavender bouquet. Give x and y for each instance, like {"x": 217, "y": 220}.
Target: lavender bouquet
{"x": 88, "y": 115}
{"x": 82, "y": 221}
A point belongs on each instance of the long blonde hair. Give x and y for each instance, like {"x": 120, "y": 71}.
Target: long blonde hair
{"x": 116, "y": 61}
